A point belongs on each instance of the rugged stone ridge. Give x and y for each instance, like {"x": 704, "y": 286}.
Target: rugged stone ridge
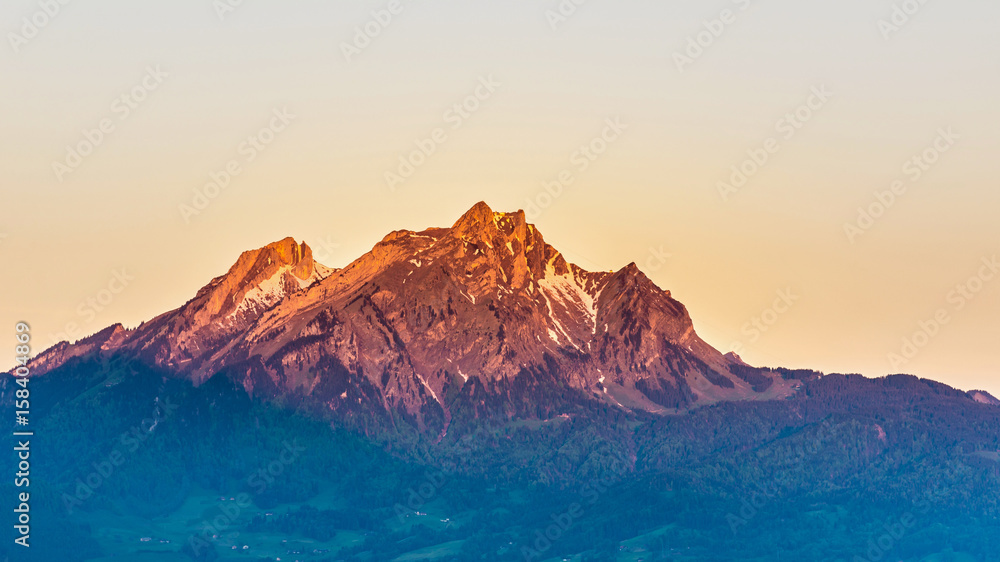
{"x": 484, "y": 306}
{"x": 108, "y": 339}
{"x": 226, "y": 307}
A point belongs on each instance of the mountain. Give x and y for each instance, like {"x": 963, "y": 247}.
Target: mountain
{"x": 483, "y": 306}
{"x": 465, "y": 393}
{"x": 188, "y": 337}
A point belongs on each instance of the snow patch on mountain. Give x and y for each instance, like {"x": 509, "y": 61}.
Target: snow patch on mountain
{"x": 431, "y": 390}
{"x": 568, "y": 293}
{"x": 553, "y": 336}
{"x": 273, "y": 289}
{"x": 321, "y": 271}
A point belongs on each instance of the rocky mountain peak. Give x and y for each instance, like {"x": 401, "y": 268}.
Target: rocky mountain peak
{"x": 486, "y": 304}
{"x": 267, "y": 273}
{"x": 480, "y": 216}
{"x": 482, "y": 222}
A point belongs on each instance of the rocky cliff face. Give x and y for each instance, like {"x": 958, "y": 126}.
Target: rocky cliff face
{"x": 483, "y": 306}
{"x": 187, "y": 338}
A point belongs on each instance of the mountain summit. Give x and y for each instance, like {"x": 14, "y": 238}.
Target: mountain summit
{"x": 484, "y": 310}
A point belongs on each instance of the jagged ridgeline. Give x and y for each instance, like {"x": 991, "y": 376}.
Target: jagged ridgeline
{"x": 465, "y": 393}
{"x": 485, "y": 308}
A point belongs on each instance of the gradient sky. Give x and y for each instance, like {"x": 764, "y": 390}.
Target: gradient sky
{"x": 322, "y": 179}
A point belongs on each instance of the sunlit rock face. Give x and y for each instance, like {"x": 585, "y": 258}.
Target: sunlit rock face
{"x": 483, "y": 306}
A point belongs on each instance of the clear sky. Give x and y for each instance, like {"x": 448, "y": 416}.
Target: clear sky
{"x": 310, "y": 111}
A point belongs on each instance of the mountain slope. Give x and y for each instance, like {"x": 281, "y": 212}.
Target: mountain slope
{"x": 227, "y": 306}
{"x": 483, "y": 306}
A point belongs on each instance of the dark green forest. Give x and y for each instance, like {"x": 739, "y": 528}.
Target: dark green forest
{"x": 850, "y": 469}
